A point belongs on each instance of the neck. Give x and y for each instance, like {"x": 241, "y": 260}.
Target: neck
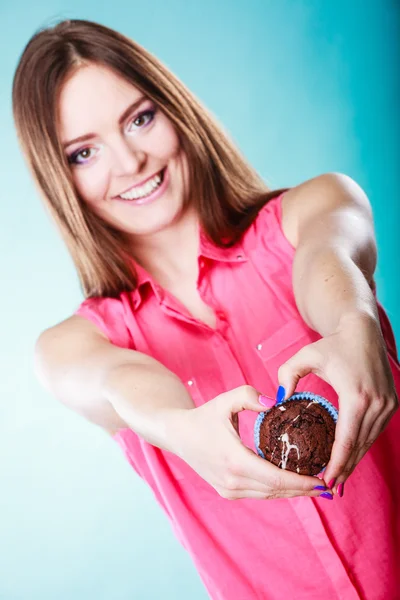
{"x": 172, "y": 253}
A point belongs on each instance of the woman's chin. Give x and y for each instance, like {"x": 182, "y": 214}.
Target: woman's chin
{"x": 152, "y": 226}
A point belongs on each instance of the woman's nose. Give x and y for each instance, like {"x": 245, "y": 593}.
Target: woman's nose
{"x": 126, "y": 160}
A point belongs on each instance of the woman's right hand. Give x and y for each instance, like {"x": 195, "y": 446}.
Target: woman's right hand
{"x": 207, "y": 439}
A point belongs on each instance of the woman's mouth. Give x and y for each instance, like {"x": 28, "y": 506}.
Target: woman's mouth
{"x": 151, "y": 190}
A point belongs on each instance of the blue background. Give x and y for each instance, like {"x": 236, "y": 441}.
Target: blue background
{"x": 303, "y": 88}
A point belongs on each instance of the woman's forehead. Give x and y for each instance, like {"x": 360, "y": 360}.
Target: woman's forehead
{"x": 92, "y": 97}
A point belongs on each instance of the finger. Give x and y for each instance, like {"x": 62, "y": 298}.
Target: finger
{"x": 306, "y": 360}
{"x": 346, "y": 435}
{"x": 244, "y": 487}
{"x": 254, "y": 472}
{"x": 378, "y": 427}
{"x": 240, "y": 484}
{"x": 251, "y": 493}
{"x": 364, "y": 432}
{"x": 239, "y": 494}
{"x": 241, "y": 398}
{"x": 373, "y": 423}
{"x": 259, "y": 469}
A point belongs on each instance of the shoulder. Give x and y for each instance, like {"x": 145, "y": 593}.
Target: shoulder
{"x": 67, "y": 360}
{"x": 65, "y": 337}
{"x": 111, "y": 316}
{"x": 68, "y": 331}
{"x": 320, "y": 195}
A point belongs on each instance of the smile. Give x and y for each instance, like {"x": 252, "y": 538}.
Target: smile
{"x": 151, "y": 190}
{"x": 144, "y": 190}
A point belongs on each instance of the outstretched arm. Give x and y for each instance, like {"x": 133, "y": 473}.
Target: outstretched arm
{"x": 333, "y": 232}
{"x": 336, "y": 252}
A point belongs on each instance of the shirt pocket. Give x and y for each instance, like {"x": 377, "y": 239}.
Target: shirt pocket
{"x": 192, "y": 386}
{"x": 284, "y": 343}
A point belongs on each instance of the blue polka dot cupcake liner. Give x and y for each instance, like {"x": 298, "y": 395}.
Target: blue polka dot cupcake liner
{"x": 332, "y": 410}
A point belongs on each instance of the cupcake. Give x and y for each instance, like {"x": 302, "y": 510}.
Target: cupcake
{"x": 297, "y": 434}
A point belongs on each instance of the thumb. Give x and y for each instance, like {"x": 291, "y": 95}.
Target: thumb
{"x": 289, "y": 374}
{"x": 244, "y": 397}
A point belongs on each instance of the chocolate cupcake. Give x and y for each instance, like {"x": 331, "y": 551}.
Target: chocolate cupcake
{"x": 297, "y": 434}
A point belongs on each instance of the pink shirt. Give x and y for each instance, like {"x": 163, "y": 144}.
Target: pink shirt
{"x": 300, "y": 548}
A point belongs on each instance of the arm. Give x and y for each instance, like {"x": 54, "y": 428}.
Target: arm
{"x": 77, "y": 364}
{"x": 336, "y": 253}
{"x": 83, "y": 370}
{"x": 332, "y": 229}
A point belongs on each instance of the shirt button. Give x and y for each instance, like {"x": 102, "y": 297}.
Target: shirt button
{"x": 190, "y": 382}
{"x": 259, "y": 346}
{"x": 239, "y": 257}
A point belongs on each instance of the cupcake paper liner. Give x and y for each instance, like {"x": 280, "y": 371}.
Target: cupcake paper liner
{"x": 296, "y": 396}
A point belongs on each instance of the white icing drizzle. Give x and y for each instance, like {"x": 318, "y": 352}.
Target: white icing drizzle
{"x": 286, "y": 448}
{"x": 312, "y": 402}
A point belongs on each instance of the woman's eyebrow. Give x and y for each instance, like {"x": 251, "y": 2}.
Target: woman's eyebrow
{"x": 127, "y": 111}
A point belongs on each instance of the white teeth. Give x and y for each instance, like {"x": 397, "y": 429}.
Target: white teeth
{"x": 144, "y": 190}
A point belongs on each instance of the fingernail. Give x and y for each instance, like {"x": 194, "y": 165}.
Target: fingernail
{"x": 331, "y": 483}
{"x": 266, "y": 400}
{"x": 319, "y": 487}
{"x": 340, "y": 490}
{"x": 326, "y": 495}
{"x": 280, "y": 394}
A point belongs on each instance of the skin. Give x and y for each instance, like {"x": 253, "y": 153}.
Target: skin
{"x": 120, "y": 156}
{"x": 328, "y": 219}
{"x": 333, "y": 269}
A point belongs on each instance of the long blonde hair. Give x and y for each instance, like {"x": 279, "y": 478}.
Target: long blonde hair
{"x": 226, "y": 191}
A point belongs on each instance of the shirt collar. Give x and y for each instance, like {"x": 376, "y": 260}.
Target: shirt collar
{"x": 210, "y": 250}
{"x": 207, "y": 249}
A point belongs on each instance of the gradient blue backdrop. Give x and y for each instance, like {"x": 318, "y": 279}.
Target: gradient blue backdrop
{"x": 304, "y": 87}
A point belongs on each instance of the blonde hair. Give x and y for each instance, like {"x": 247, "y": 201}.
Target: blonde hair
{"x": 226, "y": 191}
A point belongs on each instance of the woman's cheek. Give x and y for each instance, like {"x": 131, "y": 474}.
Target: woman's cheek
{"x": 92, "y": 183}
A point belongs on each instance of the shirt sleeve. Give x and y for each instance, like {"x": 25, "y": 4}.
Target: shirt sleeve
{"x": 266, "y": 234}
{"x": 108, "y": 314}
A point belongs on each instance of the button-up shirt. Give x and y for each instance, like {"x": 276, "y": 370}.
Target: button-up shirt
{"x": 299, "y": 548}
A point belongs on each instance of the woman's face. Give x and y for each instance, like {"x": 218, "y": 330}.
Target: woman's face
{"x": 125, "y": 148}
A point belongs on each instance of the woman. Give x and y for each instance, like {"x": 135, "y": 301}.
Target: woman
{"x": 203, "y": 291}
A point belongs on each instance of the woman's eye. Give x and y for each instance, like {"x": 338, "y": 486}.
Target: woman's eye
{"x": 85, "y": 154}
{"x": 81, "y": 157}
{"x": 140, "y": 116}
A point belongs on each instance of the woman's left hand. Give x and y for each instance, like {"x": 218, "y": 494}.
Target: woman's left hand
{"x": 354, "y": 362}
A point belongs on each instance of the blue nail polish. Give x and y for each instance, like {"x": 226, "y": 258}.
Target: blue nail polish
{"x": 320, "y": 487}
{"x": 280, "y": 394}
{"x": 326, "y": 495}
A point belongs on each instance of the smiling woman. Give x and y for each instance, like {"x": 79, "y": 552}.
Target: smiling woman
{"x": 76, "y": 63}
{"x": 122, "y": 164}
{"x": 203, "y": 288}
